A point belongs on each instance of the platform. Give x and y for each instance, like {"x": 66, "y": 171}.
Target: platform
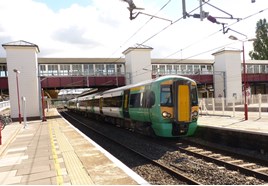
{"x": 55, "y": 153}
{"x": 251, "y": 134}
{"x": 256, "y": 122}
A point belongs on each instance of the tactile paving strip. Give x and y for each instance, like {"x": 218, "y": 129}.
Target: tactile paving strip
{"x": 76, "y": 171}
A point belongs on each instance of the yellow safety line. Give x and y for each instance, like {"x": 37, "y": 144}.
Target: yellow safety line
{"x": 55, "y": 158}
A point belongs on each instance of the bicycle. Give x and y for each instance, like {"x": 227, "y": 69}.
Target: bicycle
{"x": 4, "y": 120}
{"x": 2, "y": 126}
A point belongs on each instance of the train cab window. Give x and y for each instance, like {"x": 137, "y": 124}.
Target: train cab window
{"x": 194, "y": 96}
{"x": 166, "y": 95}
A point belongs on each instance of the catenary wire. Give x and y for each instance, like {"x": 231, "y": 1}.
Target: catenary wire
{"x": 210, "y": 35}
{"x": 192, "y": 44}
{"x": 139, "y": 29}
{"x": 162, "y": 30}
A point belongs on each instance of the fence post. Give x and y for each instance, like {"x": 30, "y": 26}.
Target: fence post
{"x": 222, "y": 104}
{"x": 200, "y": 106}
{"x": 1, "y": 132}
{"x": 213, "y": 105}
{"x": 204, "y": 106}
{"x": 259, "y": 96}
{"x": 24, "y": 111}
{"x": 234, "y": 106}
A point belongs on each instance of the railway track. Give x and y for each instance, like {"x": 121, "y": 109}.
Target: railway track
{"x": 179, "y": 175}
{"x": 228, "y": 161}
{"x": 185, "y": 162}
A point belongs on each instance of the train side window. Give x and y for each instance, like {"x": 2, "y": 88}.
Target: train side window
{"x": 148, "y": 99}
{"x": 166, "y": 95}
{"x": 90, "y": 103}
{"x": 113, "y": 101}
{"x": 135, "y": 100}
{"x": 96, "y": 102}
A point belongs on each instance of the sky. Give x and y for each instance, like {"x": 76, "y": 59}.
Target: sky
{"x": 102, "y": 28}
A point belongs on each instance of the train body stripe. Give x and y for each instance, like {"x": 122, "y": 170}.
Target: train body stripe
{"x": 138, "y": 89}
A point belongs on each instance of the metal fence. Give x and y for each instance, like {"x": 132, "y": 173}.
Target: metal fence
{"x": 230, "y": 107}
{"x": 4, "y": 105}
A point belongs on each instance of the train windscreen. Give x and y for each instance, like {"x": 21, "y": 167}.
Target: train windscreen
{"x": 194, "y": 96}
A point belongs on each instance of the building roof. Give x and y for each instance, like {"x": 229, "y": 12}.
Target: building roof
{"x": 80, "y": 60}
{"x": 21, "y": 43}
{"x": 154, "y": 61}
{"x": 137, "y": 47}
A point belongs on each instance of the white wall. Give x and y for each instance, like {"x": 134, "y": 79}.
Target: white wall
{"x": 23, "y": 59}
{"x": 136, "y": 60}
{"x": 227, "y": 64}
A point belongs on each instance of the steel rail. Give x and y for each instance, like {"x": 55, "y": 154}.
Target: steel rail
{"x": 231, "y": 166}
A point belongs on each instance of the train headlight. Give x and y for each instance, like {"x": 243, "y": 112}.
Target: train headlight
{"x": 166, "y": 114}
{"x": 194, "y": 115}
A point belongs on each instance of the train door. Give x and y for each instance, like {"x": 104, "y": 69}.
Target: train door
{"x": 148, "y": 101}
{"x": 126, "y": 103}
{"x": 101, "y": 105}
{"x": 182, "y": 102}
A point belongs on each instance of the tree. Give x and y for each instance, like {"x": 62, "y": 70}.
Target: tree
{"x": 260, "y": 45}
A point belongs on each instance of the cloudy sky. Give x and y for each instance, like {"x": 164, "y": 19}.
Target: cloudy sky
{"x": 102, "y": 28}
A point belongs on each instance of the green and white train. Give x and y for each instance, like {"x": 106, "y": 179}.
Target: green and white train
{"x": 166, "y": 106}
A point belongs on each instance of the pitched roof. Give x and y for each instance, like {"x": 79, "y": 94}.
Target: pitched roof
{"x": 21, "y": 43}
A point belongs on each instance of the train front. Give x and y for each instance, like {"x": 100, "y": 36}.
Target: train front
{"x": 178, "y": 108}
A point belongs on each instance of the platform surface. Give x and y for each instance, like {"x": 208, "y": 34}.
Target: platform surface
{"x": 55, "y": 153}
{"x": 256, "y": 123}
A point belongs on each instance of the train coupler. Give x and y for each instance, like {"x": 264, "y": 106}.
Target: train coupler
{"x": 179, "y": 128}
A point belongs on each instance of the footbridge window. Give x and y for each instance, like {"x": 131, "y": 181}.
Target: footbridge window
{"x": 53, "y": 70}
{"x": 3, "y": 71}
{"x": 100, "y": 69}
{"x": 110, "y": 69}
{"x": 76, "y": 69}
{"x": 263, "y": 68}
{"x": 64, "y": 70}
{"x": 88, "y": 69}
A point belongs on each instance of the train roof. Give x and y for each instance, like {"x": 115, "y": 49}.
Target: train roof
{"x": 146, "y": 83}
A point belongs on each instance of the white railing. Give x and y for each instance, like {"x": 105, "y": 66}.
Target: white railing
{"x": 4, "y": 105}
{"x": 257, "y": 104}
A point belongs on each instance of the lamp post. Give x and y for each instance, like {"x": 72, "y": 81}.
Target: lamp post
{"x": 43, "y": 107}
{"x": 244, "y": 75}
{"x": 18, "y": 93}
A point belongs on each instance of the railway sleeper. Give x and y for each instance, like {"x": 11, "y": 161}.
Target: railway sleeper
{"x": 197, "y": 150}
{"x": 247, "y": 165}
{"x": 262, "y": 169}
{"x": 235, "y": 161}
{"x": 224, "y": 158}
{"x": 191, "y": 148}
{"x": 205, "y": 152}
{"x": 214, "y": 155}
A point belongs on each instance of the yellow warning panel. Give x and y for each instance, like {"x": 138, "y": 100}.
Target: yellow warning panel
{"x": 183, "y": 103}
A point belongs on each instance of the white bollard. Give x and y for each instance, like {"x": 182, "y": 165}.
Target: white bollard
{"x": 222, "y": 103}
{"x": 259, "y": 96}
{"x": 213, "y": 105}
{"x": 24, "y": 111}
{"x": 233, "y": 106}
